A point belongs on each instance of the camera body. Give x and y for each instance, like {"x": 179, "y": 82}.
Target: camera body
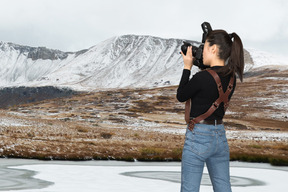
{"x": 197, "y": 52}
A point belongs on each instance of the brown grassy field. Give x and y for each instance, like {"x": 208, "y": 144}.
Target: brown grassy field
{"x": 146, "y": 124}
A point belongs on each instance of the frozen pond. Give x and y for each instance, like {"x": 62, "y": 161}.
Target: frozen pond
{"x": 55, "y": 176}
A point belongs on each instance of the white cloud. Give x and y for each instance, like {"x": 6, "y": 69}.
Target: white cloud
{"x": 72, "y": 25}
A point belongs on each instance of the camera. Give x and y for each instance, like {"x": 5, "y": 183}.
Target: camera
{"x": 197, "y": 52}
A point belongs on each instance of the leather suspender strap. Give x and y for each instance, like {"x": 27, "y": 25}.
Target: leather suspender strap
{"x": 223, "y": 97}
{"x": 187, "y": 110}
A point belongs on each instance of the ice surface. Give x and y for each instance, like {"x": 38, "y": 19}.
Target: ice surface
{"x": 148, "y": 177}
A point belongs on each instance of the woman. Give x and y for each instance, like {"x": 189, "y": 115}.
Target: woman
{"x": 205, "y": 142}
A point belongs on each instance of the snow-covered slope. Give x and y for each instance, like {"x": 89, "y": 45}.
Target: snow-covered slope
{"x": 265, "y": 59}
{"x": 124, "y": 61}
{"x": 137, "y": 61}
{"x": 134, "y": 61}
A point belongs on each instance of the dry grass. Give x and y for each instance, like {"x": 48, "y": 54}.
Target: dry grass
{"x": 120, "y": 124}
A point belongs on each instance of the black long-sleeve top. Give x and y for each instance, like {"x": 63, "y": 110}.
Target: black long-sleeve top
{"x": 203, "y": 92}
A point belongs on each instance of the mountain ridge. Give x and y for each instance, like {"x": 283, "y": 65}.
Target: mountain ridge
{"x": 118, "y": 62}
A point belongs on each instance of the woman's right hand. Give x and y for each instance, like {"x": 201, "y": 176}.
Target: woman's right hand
{"x": 188, "y": 58}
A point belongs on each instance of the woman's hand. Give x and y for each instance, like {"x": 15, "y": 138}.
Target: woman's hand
{"x": 188, "y": 58}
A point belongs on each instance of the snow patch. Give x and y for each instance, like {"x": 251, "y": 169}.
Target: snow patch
{"x": 12, "y": 123}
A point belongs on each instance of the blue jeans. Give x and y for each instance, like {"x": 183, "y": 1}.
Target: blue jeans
{"x": 205, "y": 144}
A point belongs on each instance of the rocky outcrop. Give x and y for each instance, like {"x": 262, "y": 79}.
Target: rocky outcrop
{"x": 40, "y": 52}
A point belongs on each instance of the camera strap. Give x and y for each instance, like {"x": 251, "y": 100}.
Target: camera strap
{"x": 223, "y": 97}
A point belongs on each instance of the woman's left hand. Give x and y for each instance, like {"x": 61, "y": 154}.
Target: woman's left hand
{"x": 188, "y": 58}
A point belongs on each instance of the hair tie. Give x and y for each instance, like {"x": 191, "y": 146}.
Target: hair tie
{"x": 231, "y": 35}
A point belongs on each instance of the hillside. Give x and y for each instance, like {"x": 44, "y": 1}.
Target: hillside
{"x": 145, "y": 124}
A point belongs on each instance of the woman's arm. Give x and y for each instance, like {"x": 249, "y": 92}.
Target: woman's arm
{"x": 186, "y": 88}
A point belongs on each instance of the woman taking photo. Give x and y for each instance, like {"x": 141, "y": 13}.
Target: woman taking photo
{"x": 209, "y": 93}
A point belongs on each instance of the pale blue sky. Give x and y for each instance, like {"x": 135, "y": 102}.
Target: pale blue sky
{"x": 72, "y": 25}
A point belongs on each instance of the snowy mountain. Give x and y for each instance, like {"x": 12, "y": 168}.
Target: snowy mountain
{"x": 124, "y": 61}
{"x": 117, "y": 62}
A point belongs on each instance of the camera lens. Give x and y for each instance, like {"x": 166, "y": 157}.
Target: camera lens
{"x": 194, "y": 51}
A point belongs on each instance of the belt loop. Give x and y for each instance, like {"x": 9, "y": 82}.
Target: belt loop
{"x": 215, "y": 122}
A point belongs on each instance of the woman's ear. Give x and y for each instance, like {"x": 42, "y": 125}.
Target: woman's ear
{"x": 214, "y": 49}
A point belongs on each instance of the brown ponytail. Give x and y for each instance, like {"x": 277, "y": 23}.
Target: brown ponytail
{"x": 236, "y": 60}
{"x": 229, "y": 50}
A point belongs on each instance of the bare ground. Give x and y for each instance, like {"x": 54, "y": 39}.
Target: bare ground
{"x": 146, "y": 124}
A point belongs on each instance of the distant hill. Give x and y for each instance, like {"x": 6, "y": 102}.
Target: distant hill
{"x": 124, "y": 61}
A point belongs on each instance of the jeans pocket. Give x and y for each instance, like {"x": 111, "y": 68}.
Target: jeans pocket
{"x": 201, "y": 143}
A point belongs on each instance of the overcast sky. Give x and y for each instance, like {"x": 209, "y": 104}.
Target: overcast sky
{"x": 72, "y": 25}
